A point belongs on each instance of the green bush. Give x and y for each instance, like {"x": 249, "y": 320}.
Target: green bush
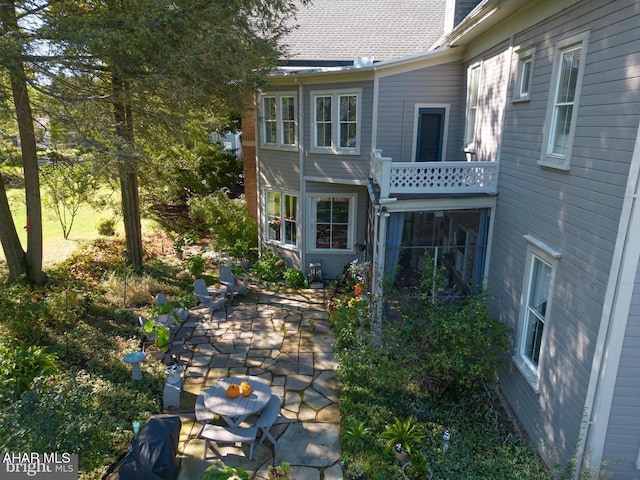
{"x": 269, "y": 267}
{"x": 434, "y": 363}
{"x": 19, "y": 365}
{"x": 196, "y": 264}
{"x": 227, "y": 219}
{"x": 294, "y": 278}
{"x": 106, "y": 226}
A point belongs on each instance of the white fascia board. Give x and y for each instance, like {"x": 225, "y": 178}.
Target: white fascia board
{"x": 506, "y": 16}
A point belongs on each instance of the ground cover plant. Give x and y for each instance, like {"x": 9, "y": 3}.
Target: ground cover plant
{"x": 428, "y": 368}
{"x": 66, "y": 388}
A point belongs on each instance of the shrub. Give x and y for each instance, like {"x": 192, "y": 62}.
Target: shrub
{"x": 196, "y": 264}
{"x": 393, "y": 375}
{"x": 19, "y": 365}
{"x": 269, "y": 267}
{"x": 402, "y": 435}
{"x": 227, "y": 473}
{"x": 227, "y": 218}
{"x": 106, "y": 226}
{"x": 294, "y": 278}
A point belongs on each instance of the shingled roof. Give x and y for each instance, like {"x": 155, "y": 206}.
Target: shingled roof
{"x": 342, "y": 30}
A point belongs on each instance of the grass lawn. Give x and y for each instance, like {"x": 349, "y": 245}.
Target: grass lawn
{"x": 55, "y": 247}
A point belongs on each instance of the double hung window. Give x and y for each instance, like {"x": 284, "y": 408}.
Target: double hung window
{"x": 335, "y": 121}
{"x": 473, "y": 87}
{"x": 537, "y": 290}
{"x": 562, "y": 110}
{"x": 282, "y": 218}
{"x": 332, "y": 222}
{"x": 279, "y": 127}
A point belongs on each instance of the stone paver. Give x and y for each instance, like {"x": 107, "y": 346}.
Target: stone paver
{"x": 286, "y": 339}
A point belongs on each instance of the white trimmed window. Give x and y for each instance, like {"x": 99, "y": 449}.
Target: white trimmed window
{"x": 279, "y": 128}
{"x": 282, "y": 218}
{"x": 522, "y": 89}
{"x": 335, "y": 122}
{"x": 562, "y": 110}
{"x": 473, "y": 87}
{"x": 332, "y": 222}
{"x": 537, "y": 291}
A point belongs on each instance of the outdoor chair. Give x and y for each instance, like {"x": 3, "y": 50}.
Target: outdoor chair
{"x": 268, "y": 418}
{"x": 207, "y": 298}
{"x": 203, "y": 414}
{"x": 222, "y": 435}
{"x": 236, "y": 284}
{"x": 161, "y": 299}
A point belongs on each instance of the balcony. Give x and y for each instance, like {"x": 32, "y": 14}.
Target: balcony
{"x": 397, "y": 178}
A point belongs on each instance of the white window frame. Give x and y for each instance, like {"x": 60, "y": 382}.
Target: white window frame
{"x": 550, "y": 158}
{"x": 537, "y": 251}
{"x": 472, "y": 105}
{"x": 282, "y": 230}
{"x": 336, "y": 122}
{"x": 312, "y": 205}
{"x": 524, "y": 74}
{"x": 279, "y": 121}
{"x": 416, "y": 117}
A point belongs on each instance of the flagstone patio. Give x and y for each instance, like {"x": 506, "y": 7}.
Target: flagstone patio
{"x": 284, "y": 337}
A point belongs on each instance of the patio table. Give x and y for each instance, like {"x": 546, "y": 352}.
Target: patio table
{"x": 219, "y": 289}
{"x": 235, "y": 410}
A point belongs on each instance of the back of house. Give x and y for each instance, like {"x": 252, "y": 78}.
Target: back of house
{"x": 507, "y": 153}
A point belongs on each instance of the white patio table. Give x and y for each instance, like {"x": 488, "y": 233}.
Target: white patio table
{"x": 235, "y": 410}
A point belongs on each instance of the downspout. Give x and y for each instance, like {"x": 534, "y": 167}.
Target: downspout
{"x": 375, "y": 277}
{"x": 613, "y": 324}
{"x": 302, "y": 226}
{"x": 256, "y": 126}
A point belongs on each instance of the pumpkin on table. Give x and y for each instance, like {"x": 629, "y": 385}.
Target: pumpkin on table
{"x": 233, "y": 390}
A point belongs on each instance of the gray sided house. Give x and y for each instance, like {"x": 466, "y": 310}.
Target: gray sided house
{"x": 509, "y": 154}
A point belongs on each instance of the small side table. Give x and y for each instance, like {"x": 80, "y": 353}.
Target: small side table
{"x": 134, "y": 359}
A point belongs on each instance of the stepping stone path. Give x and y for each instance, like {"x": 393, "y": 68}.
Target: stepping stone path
{"x": 285, "y": 338}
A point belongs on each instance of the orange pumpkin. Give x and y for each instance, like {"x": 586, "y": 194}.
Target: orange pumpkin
{"x": 245, "y": 388}
{"x": 233, "y": 391}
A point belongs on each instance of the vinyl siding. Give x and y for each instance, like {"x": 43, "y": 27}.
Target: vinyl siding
{"x": 494, "y": 80}
{"x": 278, "y": 168}
{"x": 333, "y": 263}
{"x": 333, "y": 167}
{"x": 575, "y": 212}
{"x": 398, "y": 95}
{"x": 623, "y": 434}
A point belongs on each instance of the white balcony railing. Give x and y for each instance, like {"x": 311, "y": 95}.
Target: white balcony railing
{"x": 395, "y": 178}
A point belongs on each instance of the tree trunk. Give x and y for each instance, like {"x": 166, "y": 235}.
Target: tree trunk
{"x": 13, "y": 252}
{"x": 29, "y": 153}
{"x": 128, "y": 175}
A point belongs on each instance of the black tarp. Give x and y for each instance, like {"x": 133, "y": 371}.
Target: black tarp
{"x": 156, "y": 450}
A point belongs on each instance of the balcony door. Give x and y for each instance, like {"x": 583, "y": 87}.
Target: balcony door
{"x": 430, "y": 134}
